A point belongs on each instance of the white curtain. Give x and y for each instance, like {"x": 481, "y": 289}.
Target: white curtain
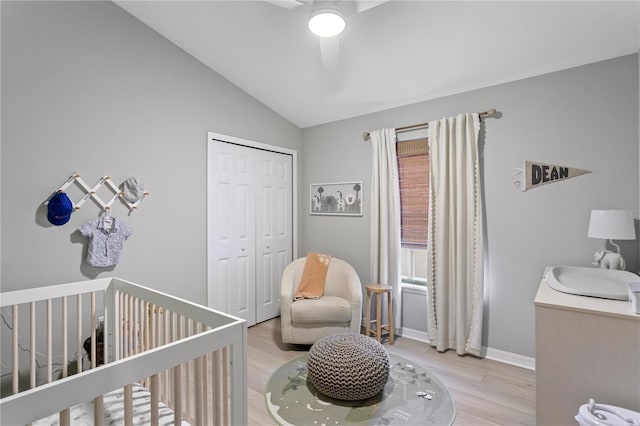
{"x": 455, "y": 236}
{"x": 385, "y": 216}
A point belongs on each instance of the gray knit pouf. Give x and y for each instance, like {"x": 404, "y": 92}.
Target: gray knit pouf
{"x": 348, "y": 366}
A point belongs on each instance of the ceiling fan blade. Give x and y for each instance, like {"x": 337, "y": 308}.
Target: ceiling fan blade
{"x": 330, "y": 51}
{"x": 363, "y": 5}
{"x": 286, "y": 4}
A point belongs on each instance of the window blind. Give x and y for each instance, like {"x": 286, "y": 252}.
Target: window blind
{"x": 413, "y": 171}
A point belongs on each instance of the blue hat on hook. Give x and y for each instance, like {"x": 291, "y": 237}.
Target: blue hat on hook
{"x": 59, "y": 209}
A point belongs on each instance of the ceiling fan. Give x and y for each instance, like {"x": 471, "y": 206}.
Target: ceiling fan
{"x": 326, "y": 20}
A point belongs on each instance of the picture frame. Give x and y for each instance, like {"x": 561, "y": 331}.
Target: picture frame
{"x": 336, "y": 199}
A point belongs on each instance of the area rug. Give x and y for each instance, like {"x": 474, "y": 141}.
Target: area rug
{"x": 412, "y": 396}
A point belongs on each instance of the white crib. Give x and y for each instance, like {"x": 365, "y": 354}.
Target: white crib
{"x": 185, "y": 357}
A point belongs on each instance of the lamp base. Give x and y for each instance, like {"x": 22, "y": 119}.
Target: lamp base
{"x": 609, "y": 260}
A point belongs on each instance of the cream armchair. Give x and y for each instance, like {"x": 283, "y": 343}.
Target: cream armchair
{"x": 338, "y": 311}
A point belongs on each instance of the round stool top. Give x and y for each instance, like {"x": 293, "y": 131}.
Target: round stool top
{"x": 378, "y": 288}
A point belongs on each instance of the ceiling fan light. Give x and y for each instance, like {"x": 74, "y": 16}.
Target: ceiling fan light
{"x": 326, "y": 22}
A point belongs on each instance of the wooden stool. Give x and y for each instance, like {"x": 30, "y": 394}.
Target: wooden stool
{"x": 377, "y": 290}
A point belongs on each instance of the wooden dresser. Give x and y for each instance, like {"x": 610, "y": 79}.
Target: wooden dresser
{"x": 586, "y": 347}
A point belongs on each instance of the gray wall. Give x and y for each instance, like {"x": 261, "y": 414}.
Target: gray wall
{"x": 414, "y": 314}
{"x": 88, "y": 88}
{"x": 585, "y": 117}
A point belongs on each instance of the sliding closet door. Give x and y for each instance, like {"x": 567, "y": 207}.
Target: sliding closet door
{"x": 273, "y": 230}
{"x": 232, "y": 214}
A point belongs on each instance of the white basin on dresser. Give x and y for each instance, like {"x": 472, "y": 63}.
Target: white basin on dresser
{"x": 595, "y": 282}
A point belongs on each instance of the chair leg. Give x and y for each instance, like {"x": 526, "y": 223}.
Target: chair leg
{"x": 390, "y": 312}
{"x": 378, "y": 317}
{"x": 367, "y": 324}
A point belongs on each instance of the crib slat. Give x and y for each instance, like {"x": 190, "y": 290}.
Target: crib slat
{"x": 168, "y": 320}
{"x": 98, "y": 411}
{"x": 205, "y": 388}
{"x": 128, "y": 405}
{"x": 140, "y": 325}
{"x": 49, "y": 343}
{"x": 64, "y": 417}
{"x": 142, "y": 332}
{"x": 177, "y": 394}
{"x": 198, "y": 393}
{"x": 79, "y": 333}
{"x": 119, "y": 328}
{"x": 227, "y": 381}
{"x": 135, "y": 344}
{"x": 135, "y": 328}
{"x": 226, "y": 395}
{"x": 197, "y": 383}
{"x": 154, "y": 390}
{"x": 94, "y": 340}
{"x": 222, "y": 377}
{"x": 143, "y": 325}
{"x": 124, "y": 326}
{"x": 131, "y": 326}
{"x": 216, "y": 383}
{"x": 147, "y": 325}
{"x": 32, "y": 345}
{"x": 16, "y": 363}
{"x": 123, "y": 323}
{"x": 188, "y": 372}
{"x": 65, "y": 337}
{"x": 179, "y": 383}
{"x": 154, "y": 326}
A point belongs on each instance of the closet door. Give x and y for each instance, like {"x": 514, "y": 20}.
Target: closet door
{"x": 274, "y": 229}
{"x": 233, "y": 215}
{"x": 250, "y": 234}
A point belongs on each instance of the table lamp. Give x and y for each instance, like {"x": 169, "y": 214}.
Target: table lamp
{"x": 611, "y": 225}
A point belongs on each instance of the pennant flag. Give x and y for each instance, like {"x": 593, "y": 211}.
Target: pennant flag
{"x": 538, "y": 174}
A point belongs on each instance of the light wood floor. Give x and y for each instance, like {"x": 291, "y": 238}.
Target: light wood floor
{"x": 485, "y": 392}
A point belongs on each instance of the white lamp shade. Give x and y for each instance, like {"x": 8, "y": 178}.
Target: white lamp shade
{"x": 326, "y": 22}
{"x": 612, "y": 225}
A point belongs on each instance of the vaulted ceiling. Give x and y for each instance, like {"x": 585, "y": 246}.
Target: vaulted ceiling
{"x": 396, "y": 53}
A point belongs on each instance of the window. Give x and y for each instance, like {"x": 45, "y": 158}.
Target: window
{"x": 413, "y": 171}
{"x": 413, "y": 266}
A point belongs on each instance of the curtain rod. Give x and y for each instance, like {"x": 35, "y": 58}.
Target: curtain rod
{"x": 488, "y": 113}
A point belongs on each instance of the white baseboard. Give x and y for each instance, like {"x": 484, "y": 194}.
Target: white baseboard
{"x": 420, "y": 336}
{"x": 511, "y": 358}
{"x": 489, "y": 353}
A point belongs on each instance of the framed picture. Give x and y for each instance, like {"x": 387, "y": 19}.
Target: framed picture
{"x": 337, "y": 199}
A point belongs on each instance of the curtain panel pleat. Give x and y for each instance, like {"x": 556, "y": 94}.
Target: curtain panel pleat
{"x": 385, "y": 216}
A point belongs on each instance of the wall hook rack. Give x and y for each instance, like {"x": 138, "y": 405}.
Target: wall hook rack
{"x": 92, "y": 192}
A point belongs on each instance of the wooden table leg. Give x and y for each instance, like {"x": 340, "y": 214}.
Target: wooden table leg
{"x": 367, "y": 323}
{"x": 378, "y": 317}
{"x": 390, "y": 312}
